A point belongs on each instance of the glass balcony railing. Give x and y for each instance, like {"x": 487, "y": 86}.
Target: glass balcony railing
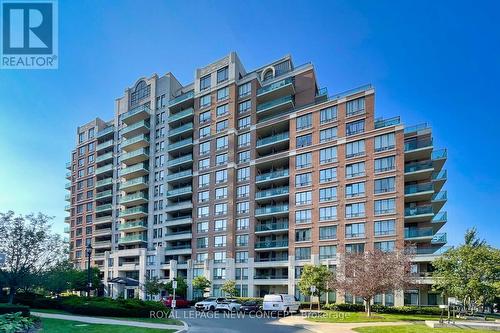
{"x": 142, "y": 123}
{"x": 67, "y": 197}
{"x": 441, "y": 217}
{"x": 178, "y": 144}
{"x": 179, "y": 247}
{"x": 134, "y": 210}
{"x": 133, "y": 238}
{"x": 418, "y": 232}
{"x": 104, "y": 182}
{"x": 134, "y": 168}
{"x": 439, "y": 238}
{"x": 68, "y": 174}
{"x": 414, "y": 167}
{"x": 273, "y": 139}
{"x": 181, "y": 129}
{"x": 418, "y": 144}
{"x": 105, "y": 131}
{"x": 135, "y": 153}
{"x": 66, "y": 230}
{"x": 422, "y": 210}
{"x": 135, "y": 139}
{"x": 416, "y": 128}
{"x": 68, "y": 165}
{"x": 271, "y": 244}
{"x": 106, "y": 168}
{"x": 134, "y": 111}
{"x": 431, "y": 250}
{"x": 133, "y": 197}
{"x": 180, "y": 160}
{"x": 274, "y": 103}
{"x": 439, "y": 154}
{"x": 179, "y": 175}
{"x": 104, "y": 194}
{"x": 380, "y": 123}
{"x": 271, "y": 209}
{"x": 67, "y": 186}
{"x": 103, "y": 208}
{"x": 418, "y": 188}
{"x": 272, "y": 175}
{"x": 67, "y": 208}
{"x": 272, "y": 192}
{"x": 179, "y": 191}
{"x": 441, "y": 175}
{"x": 132, "y": 225}
{"x": 440, "y": 196}
{"x": 271, "y": 227}
{"x": 135, "y": 181}
{"x": 104, "y": 145}
{"x": 104, "y": 157}
{"x": 274, "y": 86}
{"x": 181, "y": 98}
{"x": 180, "y": 115}
{"x": 270, "y": 277}
{"x": 271, "y": 259}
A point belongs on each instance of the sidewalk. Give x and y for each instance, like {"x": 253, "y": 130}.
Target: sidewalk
{"x": 105, "y": 321}
{"x": 299, "y": 321}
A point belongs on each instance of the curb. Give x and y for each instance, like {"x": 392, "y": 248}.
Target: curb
{"x": 184, "y": 329}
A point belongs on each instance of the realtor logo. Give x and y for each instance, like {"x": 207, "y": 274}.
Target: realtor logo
{"x": 29, "y": 34}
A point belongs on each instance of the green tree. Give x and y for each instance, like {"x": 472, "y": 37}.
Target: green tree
{"x": 30, "y": 247}
{"x": 229, "y": 288}
{"x": 201, "y": 283}
{"x": 58, "y": 278}
{"x": 317, "y": 276}
{"x": 79, "y": 279}
{"x": 470, "y": 272}
{"x": 181, "y": 289}
{"x": 152, "y": 286}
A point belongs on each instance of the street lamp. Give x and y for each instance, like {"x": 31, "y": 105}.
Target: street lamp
{"x": 89, "y": 277}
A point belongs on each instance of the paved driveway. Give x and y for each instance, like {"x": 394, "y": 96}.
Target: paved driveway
{"x": 209, "y": 322}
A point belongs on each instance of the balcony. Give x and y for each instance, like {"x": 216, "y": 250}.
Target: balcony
{"x": 439, "y": 158}
{"x": 187, "y": 190}
{"x": 439, "y": 178}
{"x": 134, "y": 213}
{"x": 272, "y": 176}
{"x": 178, "y": 176}
{"x": 180, "y": 130}
{"x": 381, "y": 123}
{"x": 183, "y": 160}
{"x": 108, "y": 168}
{"x": 272, "y": 210}
{"x": 66, "y": 230}
{"x": 68, "y": 175}
{"x": 104, "y": 194}
{"x": 135, "y": 199}
{"x": 133, "y": 226}
{"x": 102, "y": 220}
{"x": 273, "y": 139}
{"x": 275, "y": 106}
{"x": 141, "y": 127}
{"x": 439, "y": 238}
{"x": 181, "y": 99}
{"x": 105, "y": 157}
{"x": 179, "y": 206}
{"x": 67, "y": 219}
{"x": 419, "y": 170}
{"x": 136, "y": 114}
{"x": 68, "y": 165}
{"x": 106, "y": 132}
{"x": 67, "y": 197}
{"x": 415, "y": 234}
{"x": 135, "y": 171}
{"x": 178, "y": 221}
{"x": 419, "y": 214}
{"x": 139, "y": 141}
{"x": 272, "y": 193}
{"x": 102, "y": 231}
{"x": 183, "y": 115}
{"x": 180, "y": 144}
{"x": 180, "y": 235}
{"x": 271, "y": 228}
{"x": 438, "y": 200}
{"x": 136, "y": 156}
{"x": 104, "y": 182}
{"x": 418, "y": 149}
{"x": 104, "y": 208}
{"x": 101, "y": 244}
{"x": 67, "y": 186}
{"x": 67, "y": 208}
{"x": 419, "y": 192}
{"x": 104, "y": 145}
{"x": 276, "y": 89}
{"x": 265, "y": 245}
{"x": 130, "y": 239}
{"x": 178, "y": 249}
{"x": 135, "y": 184}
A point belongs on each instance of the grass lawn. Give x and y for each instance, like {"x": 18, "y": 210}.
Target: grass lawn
{"x": 417, "y": 328}
{"x": 64, "y": 326}
{"x": 168, "y": 321}
{"x": 360, "y": 317}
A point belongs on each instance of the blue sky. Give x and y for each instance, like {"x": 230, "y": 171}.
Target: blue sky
{"x": 434, "y": 61}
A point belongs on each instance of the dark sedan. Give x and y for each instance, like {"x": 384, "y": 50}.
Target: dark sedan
{"x": 250, "y": 307}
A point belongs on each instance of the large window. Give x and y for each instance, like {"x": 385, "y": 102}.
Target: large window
{"x": 385, "y": 206}
{"x": 304, "y": 122}
{"x": 328, "y": 213}
{"x": 205, "y": 82}
{"x": 221, "y": 159}
{"x": 385, "y": 142}
{"x": 385, "y": 164}
{"x": 328, "y": 114}
{"x": 327, "y": 194}
{"x": 245, "y": 106}
{"x": 243, "y": 174}
{"x": 328, "y": 155}
{"x": 303, "y": 216}
{"x": 204, "y": 117}
{"x": 304, "y": 140}
{"x": 327, "y": 252}
{"x": 303, "y": 198}
{"x": 245, "y": 89}
{"x": 222, "y": 110}
{"x": 355, "y": 230}
{"x": 221, "y": 125}
{"x": 356, "y": 148}
{"x": 385, "y": 228}
{"x": 328, "y": 134}
{"x": 303, "y": 179}
{"x": 204, "y": 148}
{"x": 387, "y": 246}
{"x": 355, "y": 210}
{"x": 220, "y": 225}
{"x": 203, "y": 180}
{"x": 221, "y": 209}
{"x": 355, "y": 127}
{"x": 222, "y": 74}
{"x": 222, "y": 143}
{"x": 244, "y": 122}
{"x": 204, "y": 132}
{"x": 355, "y": 106}
{"x": 385, "y": 185}
{"x": 303, "y": 160}
{"x": 220, "y": 241}
{"x": 302, "y": 253}
{"x": 205, "y": 100}
{"x": 222, "y": 93}
{"x": 220, "y": 176}
{"x": 355, "y": 190}
{"x": 243, "y": 140}
{"x": 327, "y": 175}
{"x": 142, "y": 90}
{"x": 302, "y": 235}
{"x": 221, "y": 193}
{"x": 243, "y": 207}
{"x": 355, "y": 248}
{"x": 355, "y": 170}
{"x": 328, "y": 232}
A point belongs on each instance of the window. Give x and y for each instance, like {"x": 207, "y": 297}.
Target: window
{"x": 91, "y": 146}
{"x": 385, "y": 142}
{"x": 303, "y": 216}
{"x": 221, "y": 159}
{"x": 219, "y": 273}
{"x": 203, "y": 211}
{"x": 385, "y": 206}
{"x": 205, "y": 100}
{"x": 204, "y": 148}
{"x": 245, "y": 106}
{"x": 355, "y": 106}
{"x": 205, "y": 82}
{"x": 328, "y": 134}
{"x": 221, "y": 209}
{"x": 355, "y": 190}
{"x": 304, "y": 140}
{"x": 204, "y": 117}
{"x": 328, "y": 155}
{"x": 355, "y": 230}
{"x": 204, "y": 132}
{"x": 302, "y": 235}
{"x": 355, "y": 210}
{"x": 203, "y": 196}
{"x": 328, "y": 232}
{"x": 243, "y": 174}
{"x": 328, "y": 114}
{"x": 221, "y": 126}
{"x": 242, "y": 224}
{"x": 355, "y": 248}
{"x": 243, "y": 207}
{"x": 222, "y": 143}
{"x": 327, "y": 252}
{"x": 222, "y": 110}
{"x": 202, "y": 227}
{"x": 327, "y": 194}
{"x": 385, "y": 185}
{"x": 81, "y": 137}
{"x": 222, "y": 74}
{"x": 356, "y": 148}
{"x": 241, "y": 256}
{"x": 387, "y": 246}
{"x": 244, "y": 122}
{"x": 355, "y": 170}
{"x": 355, "y": 127}
{"x": 385, "y": 164}
{"x": 220, "y": 225}
{"x": 243, "y": 191}
{"x": 244, "y": 156}
{"x": 327, "y": 175}
{"x": 245, "y": 89}
{"x": 222, "y": 93}
{"x": 219, "y": 257}
{"x": 303, "y": 160}
{"x": 241, "y": 240}
{"x": 204, "y": 164}
{"x": 328, "y": 213}
{"x": 220, "y": 176}
{"x": 304, "y": 122}
{"x": 385, "y": 228}
{"x": 202, "y": 242}
{"x": 303, "y": 179}
{"x": 90, "y": 159}
{"x": 203, "y": 180}
{"x": 243, "y": 140}
{"x": 303, "y": 198}
{"x": 302, "y": 253}
{"x": 221, "y": 193}
{"x": 220, "y": 241}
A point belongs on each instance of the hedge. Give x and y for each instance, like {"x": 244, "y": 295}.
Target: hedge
{"x": 344, "y": 307}
{"x": 13, "y": 308}
{"x": 423, "y": 310}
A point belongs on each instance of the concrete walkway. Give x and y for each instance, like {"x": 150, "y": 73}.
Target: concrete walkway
{"x": 105, "y": 321}
{"x": 300, "y": 321}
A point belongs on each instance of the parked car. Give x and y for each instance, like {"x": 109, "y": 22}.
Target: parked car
{"x": 208, "y": 304}
{"x": 280, "y": 303}
{"x": 228, "y": 305}
{"x": 251, "y": 307}
{"x": 179, "y": 302}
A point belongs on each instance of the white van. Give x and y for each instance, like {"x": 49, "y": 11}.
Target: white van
{"x": 280, "y": 302}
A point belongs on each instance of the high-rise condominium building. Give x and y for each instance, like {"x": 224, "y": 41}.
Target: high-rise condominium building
{"x": 249, "y": 176}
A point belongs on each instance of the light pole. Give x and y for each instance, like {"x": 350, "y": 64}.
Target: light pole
{"x": 89, "y": 277}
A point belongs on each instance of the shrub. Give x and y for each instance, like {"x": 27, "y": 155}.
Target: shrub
{"x": 423, "y": 310}
{"x": 15, "y": 322}
{"x": 344, "y": 307}
{"x": 14, "y": 308}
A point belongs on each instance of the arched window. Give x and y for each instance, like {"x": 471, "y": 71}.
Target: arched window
{"x": 268, "y": 74}
{"x": 141, "y": 91}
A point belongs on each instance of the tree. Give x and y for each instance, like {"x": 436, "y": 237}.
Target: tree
{"x": 317, "y": 277}
{"x": 470, "y": 272}
{"x": 58, "y": 278}
{"x": 152, "y": 286}
{"x": 181, "y": 289}
{"x": 79, "y": 279}
{"x": 372, "y": 273}
{"x": 229, "y": 288}
{"x": 201, "y": 283}
{"x": 29, "y": 246}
